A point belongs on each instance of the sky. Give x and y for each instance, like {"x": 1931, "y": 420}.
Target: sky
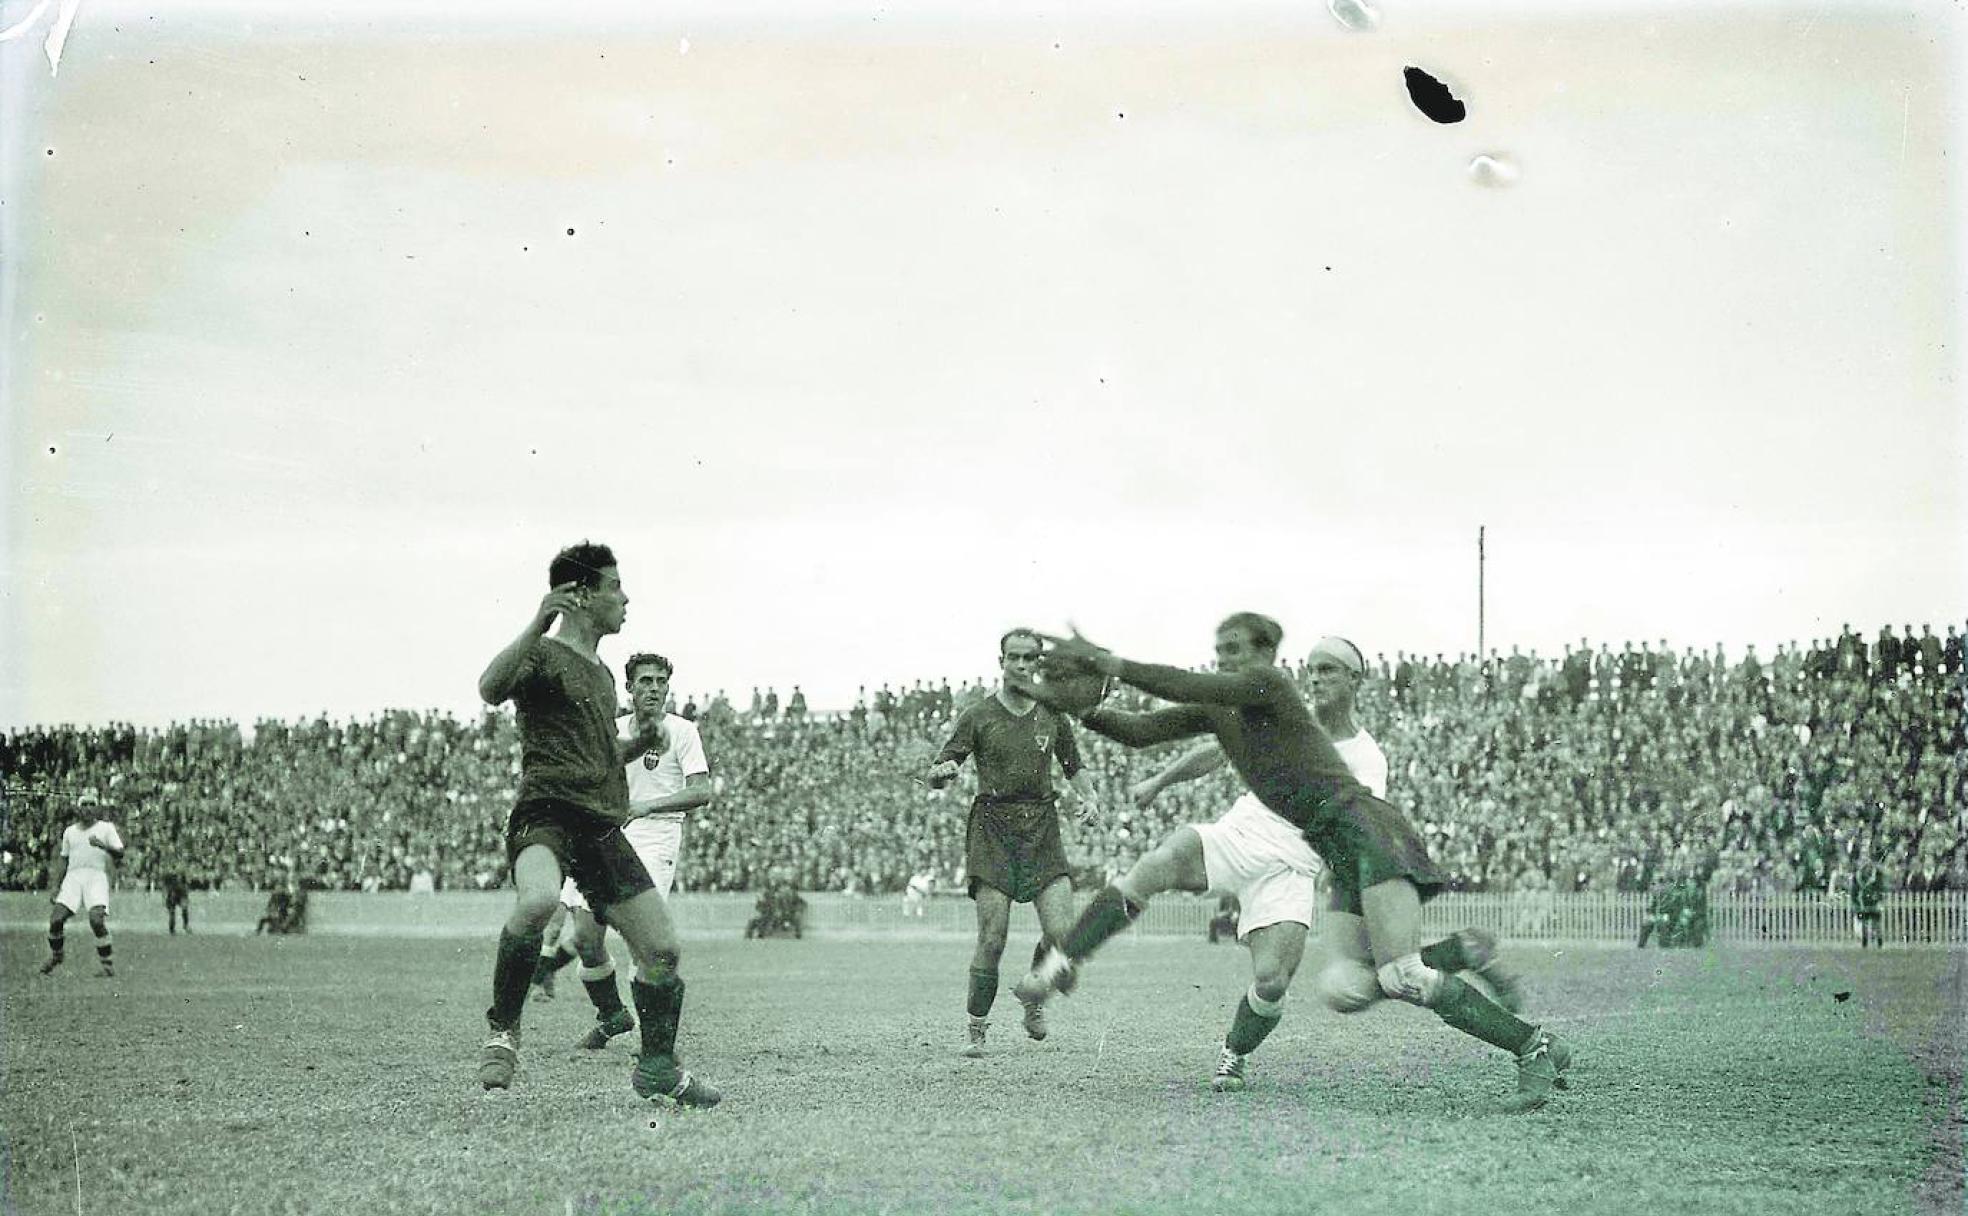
{"x": 865, "y": 331}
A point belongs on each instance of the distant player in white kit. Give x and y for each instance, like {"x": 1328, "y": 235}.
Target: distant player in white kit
{"x": 665, "y": 785}
{"x": 81, "y": 880}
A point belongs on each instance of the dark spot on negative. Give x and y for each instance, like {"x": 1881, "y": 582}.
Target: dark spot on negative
{"x": 570, "y": 232}
{"x": 1432, "y": 97}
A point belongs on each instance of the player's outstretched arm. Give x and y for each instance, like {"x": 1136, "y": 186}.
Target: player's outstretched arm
{"x": 502, "y": 673}
{"x": 695, "y": 795}
{"x": 1168, "y": 683}
{"x": 1196, "y": 687}
{"x": 1199, "y": 761}
{"x": 1146, "y": 730}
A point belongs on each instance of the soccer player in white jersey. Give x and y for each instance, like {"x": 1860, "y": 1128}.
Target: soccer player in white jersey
{"x": 1257, "y": 855}
{"x": 81, "y": 880}
{"x": 666, "y": 784}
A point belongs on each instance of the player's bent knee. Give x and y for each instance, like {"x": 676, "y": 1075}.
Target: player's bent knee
{"x": 1348, "y": 986}
{"x": 532, "y": 912}
{"x": 1409, "y": 979}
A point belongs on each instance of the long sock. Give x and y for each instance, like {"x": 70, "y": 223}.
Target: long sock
{"x": 660, "y": 1006}
{"x": 511, "y": 974}
{"x": 549, "y": 964}
{"x": 983, "y": 991}
{"x": 57, "y": 936}
{"x": 1469, "y": 1011}
{"x": 104, "y": 947}
{"x": 1039, "y": 949}
{"x": 600, "y": 983}
{"x": 1446, "y": 955}
{"x": 1108, "y": 914}
{"x": 1256, "y": 1018}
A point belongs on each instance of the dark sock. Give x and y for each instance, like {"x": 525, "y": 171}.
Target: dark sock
{"x": 510, "y": 976}
{"x": 551, "y": 963}
{"x": 103, "y": 946}
{"x": 1446, "y": 955}
{"x": 606, "y": 996}
{"x": 56, "y": 939}
{"x": 660, "y": 1006}
{"x": 1469, "y": 1011}
{"x": 1039, "y": 950}
{"x": 1248, "y": 1028}
{"x": 983, "y": 991}
{"x": 1108, "y": 914}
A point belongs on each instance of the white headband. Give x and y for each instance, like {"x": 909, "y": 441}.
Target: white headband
{"x": 1344, "y": 652}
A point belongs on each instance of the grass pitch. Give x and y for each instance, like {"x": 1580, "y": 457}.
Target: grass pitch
{"x": 256, "y": 1075}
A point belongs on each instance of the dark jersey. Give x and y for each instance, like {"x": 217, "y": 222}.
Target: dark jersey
{"x": 565, "y": 702}
{"x": 1267, "y": 733}
{"x": 1014, "y": 751}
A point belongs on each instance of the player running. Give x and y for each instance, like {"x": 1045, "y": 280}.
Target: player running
{"x": 666, "y": 783}
{"x": 1259, "y": 857}
{"x": 1381, "y": 870}
{"x": 1012, "y": 850}
{"x": 567, "y": 816}
{"x": 81, "y": 881}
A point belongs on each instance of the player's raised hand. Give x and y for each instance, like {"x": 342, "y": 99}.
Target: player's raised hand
{"x": 557, "y": 602}
{"x": 1141, "y": 793}
{"x": 651, "y": 732}
{"x": 1075, "y": 648}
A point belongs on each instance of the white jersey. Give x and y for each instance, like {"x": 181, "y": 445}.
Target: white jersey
{"x": 81, "y": 854}
{"x": 657, "y": 775}
{"x": 657, "y": 839}
{"x": 1256, "y": 854}
{"x": 1365, "y": 761}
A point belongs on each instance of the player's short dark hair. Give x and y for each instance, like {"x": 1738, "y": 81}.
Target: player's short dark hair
{"x": 581, "y": 565}
{"x": 1018, "y": 631}
{"x": 1265, "y": 633}
{"x": 646, "y": 659}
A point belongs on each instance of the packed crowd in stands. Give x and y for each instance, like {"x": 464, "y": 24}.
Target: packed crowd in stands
{"x": 1597, "y": 770}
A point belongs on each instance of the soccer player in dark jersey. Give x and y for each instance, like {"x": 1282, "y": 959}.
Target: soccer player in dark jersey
{"x": 567, "y": 819}
{"x": 1380, "y": 868}
{"x": 1012, "y": 851}
{"x": 177, "y": 895}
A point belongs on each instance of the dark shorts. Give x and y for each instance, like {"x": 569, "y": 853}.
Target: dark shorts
{"x": 177, "y": 897}
{"x": 593, "y": 853}
{"x": 1014, "y": 847}
{"x": 1368, "y": 842}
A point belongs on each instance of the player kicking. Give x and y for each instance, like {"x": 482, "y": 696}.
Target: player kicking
{"x": 1263, "y": 860}
{"x": 1012, "y": 851}
{"x": 81, "y": 881}
{"x": 567, "y": 816}
{"x": 1379, "y": 866}
{"x": 666, "y": 783}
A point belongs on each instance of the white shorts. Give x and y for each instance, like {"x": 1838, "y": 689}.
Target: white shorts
{"x": 1265, "y": 862}
{"x": 657, "y": 840}
{"x": 83, "y": 889}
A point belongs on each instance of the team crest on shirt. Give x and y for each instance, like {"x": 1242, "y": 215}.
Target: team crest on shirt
{"x": 651, "y": 759}
{"x": 1043, "y": 738}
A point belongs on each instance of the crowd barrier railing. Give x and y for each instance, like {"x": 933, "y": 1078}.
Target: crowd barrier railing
{"x": 1907, "y": 919}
